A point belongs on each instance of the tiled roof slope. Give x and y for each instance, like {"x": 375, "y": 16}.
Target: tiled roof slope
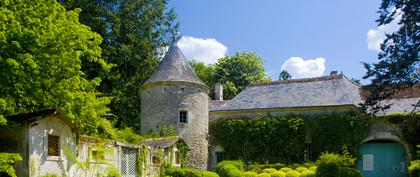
{"x": 174, "y": 68}
{"x": 330, "y": 90}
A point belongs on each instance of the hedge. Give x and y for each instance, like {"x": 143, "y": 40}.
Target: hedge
{"x": 186, "y": 172}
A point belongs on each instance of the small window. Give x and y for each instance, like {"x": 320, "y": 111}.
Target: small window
{"x": 220, "y": 156}
{"x": 98, "y": 154}
{"x": 177, "y": 158}
{"x": 53, "y": 145}
{"x": 183, "y": 116}
{"x": 155, "y": 160}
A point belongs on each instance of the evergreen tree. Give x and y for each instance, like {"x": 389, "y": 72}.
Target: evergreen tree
{"x": 134, "y": 32}
{"x": 284, "y": 75}
{"x": 399, "y": 61}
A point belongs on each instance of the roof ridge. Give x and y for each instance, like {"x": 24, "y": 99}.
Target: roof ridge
{"x": 303, "y": 80}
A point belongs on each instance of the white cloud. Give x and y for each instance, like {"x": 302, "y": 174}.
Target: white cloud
{"x": 375, "y": 37}
{"x": 205, "y": 50}
{"x": 299, "y": 68}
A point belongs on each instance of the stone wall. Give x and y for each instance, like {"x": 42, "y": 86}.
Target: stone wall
{"x": 160, "y": 108}
{"x": 40, "y": 163}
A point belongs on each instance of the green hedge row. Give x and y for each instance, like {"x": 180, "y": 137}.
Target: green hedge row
{"x": 186, "y": 172}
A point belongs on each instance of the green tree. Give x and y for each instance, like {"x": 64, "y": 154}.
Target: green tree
{"x": 284, "y": 75}
{"x": 399, "y": 60}
{"x": 134, "y": 32}
{"x": 238, "y": 71}
{"x": 42, "y": 48}
{"x": 205, "y": 73}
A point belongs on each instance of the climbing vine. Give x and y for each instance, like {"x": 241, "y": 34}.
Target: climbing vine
{"x": 183, "y": 152}
{"x": 286, "y": 138}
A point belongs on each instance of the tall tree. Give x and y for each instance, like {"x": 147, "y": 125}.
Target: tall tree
{"x": 399, "y": 61}
{"x": 284, "y": 75}
{"x": 238, "y": 71}
{"x": 42, "y": 48}
{"x": 134, "y": 32}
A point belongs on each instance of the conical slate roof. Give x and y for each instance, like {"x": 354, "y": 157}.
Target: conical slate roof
{"x": 174, "y": 68}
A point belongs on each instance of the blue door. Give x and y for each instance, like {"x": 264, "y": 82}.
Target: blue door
{"x": 382, "y": 159}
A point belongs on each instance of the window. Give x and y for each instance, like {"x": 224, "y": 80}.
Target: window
{"x": 220, "y": 156}
{"x": 98, "y": 154}
{"x": 177, "y": 158}
{"x": 183, "y": 116}
{"x": 155, "y": 160}
{"x": 53, "y": 145}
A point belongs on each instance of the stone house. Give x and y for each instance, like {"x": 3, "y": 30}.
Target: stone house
{"x": 41, "y": 141}
{"x": 50, "y": 144}
{"x": 174, "y": 96}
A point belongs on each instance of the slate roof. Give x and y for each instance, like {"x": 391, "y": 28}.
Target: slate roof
{"x": 32, "y": 117}
{"x": 174, "y": 68}
{"x": 164, "y": 142}
{"x": 333, "y": 90}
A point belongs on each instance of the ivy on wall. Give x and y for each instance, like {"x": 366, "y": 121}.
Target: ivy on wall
{"x": 286, "y": 138}
{"x": 409, "y": 124}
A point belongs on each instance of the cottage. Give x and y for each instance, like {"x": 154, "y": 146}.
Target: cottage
{"x": 41, "y": 140}
{"x": 50, "y": 144}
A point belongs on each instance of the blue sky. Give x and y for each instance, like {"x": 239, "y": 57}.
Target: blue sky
{"x": 331, "y": 34}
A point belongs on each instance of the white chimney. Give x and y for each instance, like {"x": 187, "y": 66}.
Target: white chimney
{"x": 218, "y": 91}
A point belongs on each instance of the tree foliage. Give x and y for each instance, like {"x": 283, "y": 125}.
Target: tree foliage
{"x": 238, "y": 71}
{"x": 233, "y": 72}
{"x": 42, "y": 49}
{"x": 135, "y": 33}
{"x": 6, "y": 163}
{"x": 399, "y": 60}
{"x": 284, "y": 75}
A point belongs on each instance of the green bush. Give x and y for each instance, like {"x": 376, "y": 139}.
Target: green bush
{"x": 327, "y": 169}
{"x": 292, "y": 174}
{"x": 186, "y": 172}
{"x": 307, "y": 173}
{"x": 301, "y": 169}
{"x": 250, "y": 174}
{"x": 269, "y": 170}
{"x": 278, "y": 174}
{"x": 263, "y": 175}
{"x": 414, "y": 168}
{"x": 349, "y": 172}
{"x": 286, "y": 169}
{"x": 344, "y": 160}
{"x": 230, "y": 168}
{"x": 237, "y": 163}
{"x": 313, "y": 168}
{"x": 6, "y": 163}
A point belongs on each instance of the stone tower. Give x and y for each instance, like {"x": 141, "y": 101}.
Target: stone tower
{"x": 174, "y": 96}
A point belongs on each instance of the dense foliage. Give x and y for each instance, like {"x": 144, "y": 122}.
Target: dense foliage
{"x": 409, "y": 124}
{"x": 135, "y": 34}
{"x": 187, "y": 172}
{"x": 414, "y": 168}
{"x": 284, "y": 138}
{"x": 6, "y": 164}
{"x": 399, "y": 59}
{"x": 233, "y": 72}
{"x": 42, "y": 50}
{"x": 335, "y": 165}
